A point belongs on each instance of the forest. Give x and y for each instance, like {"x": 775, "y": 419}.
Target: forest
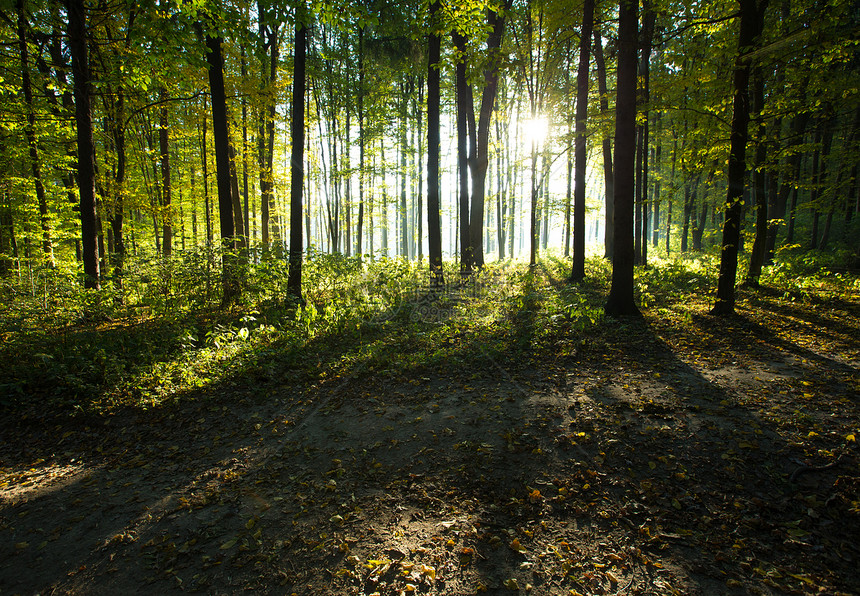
{"x": 378, "y": 297}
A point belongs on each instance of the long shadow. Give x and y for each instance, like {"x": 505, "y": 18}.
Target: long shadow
{"x": 489, "y": 468}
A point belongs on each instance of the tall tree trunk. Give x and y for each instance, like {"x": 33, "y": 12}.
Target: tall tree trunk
{"x": 204, "y": 158}
{"x": 116, "y": 220}
{"x": 620, "y": 301}
{"x": 30, "y": 133}
{"x": 637, "y": 220}
{"x": 405, "y": 91}
{"x": 266, "y": 132}
{"x": 223, "y": 167}
{"x": 752, "y": 22}
{"x": 246, "y": 220}
{"x": 578, "y": 269}
{"x": 608, "y": 178}
{"x": 434, "y": 229}
{"x": 359, "y": 237}
{"x": 779, "y": 201}
{"x": 760, "y": 243}
{"x": 297, "y": 155}
{"x": 641, "y": 232}
{"x": 420, "y": 194}
{"x": 496, "y": 22}
{"x": 464, "y": 107}
{"x": 819, "y": 181}
{"x": 86, "y": 147}
{"x": 164, "y": 161}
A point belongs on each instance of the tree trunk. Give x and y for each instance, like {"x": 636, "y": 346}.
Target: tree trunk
{"x": 164, "y": 161}
{"x": 752, "y": 17}
{"x": 266, "y": 132}
{"x": 481, "y": 163}
{"x": 578, "y": 269}
{"x": 86, "y": 147}
{"x": 608, "y": 178}
{"x": 779, "y": 201}
{"x": 760, "y": 243}
{"x": 620, "y": 301}
{"x": 30, "y": 133}
{"x": 420, "y": 193}
{"x": 297, "y": 154}
{"x": 464, "y": 106}
{"x": 358, "y": 233}
{"x": 819, "y": 181}
{"x": 223, "y": 167}
{"x": 434, "y": 229}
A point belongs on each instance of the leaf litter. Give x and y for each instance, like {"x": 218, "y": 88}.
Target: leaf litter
{"x": 674, "y": 455}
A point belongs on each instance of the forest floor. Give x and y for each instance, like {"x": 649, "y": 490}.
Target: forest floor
{"x": 673, "y": 454}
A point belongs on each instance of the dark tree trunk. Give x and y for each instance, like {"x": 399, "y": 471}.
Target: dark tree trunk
{"x": 204, "y": 158}
{"x": 637, "y": 219}
{"x": 86, "y": 147}
{"x": 30, "y": 133}
{"x": 779, "y": 201}
{"x": 434, "y": 229}
{"x": 620, "y": 301}
{"x": 246, "y": 219}
{"x": 641, "y": 233}
{"x": 359, "y": 229}
{"x": 578, "y": 269}
{"x": 819, "y": 182}
{"x": 689, "y": 196}
{"x": 164, "y": 151}
{"x": 752, "y": 17}
{"x": 655, "y": 224}
{"x": 116, "y": 220}
{"x": 405, "y": 92}
{"x": 608, "y": 178}
{"x": 464, "y": 107}
{"x": 481, "y": 162}
{"x": 223, "y": 167}
{"x": 420, "y": 193}
{"x": 760, "y": 243}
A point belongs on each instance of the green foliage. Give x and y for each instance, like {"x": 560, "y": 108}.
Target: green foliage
{"x": 813, "y": 275}
{"x": 161, "y": 336}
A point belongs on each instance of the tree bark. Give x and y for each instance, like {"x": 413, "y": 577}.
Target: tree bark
{"x": 86, "y": 147}
{"x": 620, "y": 301}
{"x": 266, "y": 133}
{"x": 608, "y": 178}
{"x": 481, "y": 162}
{"x": 760, "y": 243}
{"x": 164, "y": 160}
{"x": 297, "y": 156}
{"x": 434, "y": 229}
{"x": 752, "y": 17}
{"x": 30, "y": 133}
{"x": 580, "y": 154}
{"x": 464, "y": 106}
{"x": 223, "y": 167}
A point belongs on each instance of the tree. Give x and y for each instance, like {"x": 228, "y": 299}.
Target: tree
{"x": 86, "y": 170}
{"x": 434, "y": 228}
{"x": 620, "y": 301}
{"x": 297, "y": 140}
{"x": 752, "y": 22}
{"x": 221, "y": 134}
{"x": 578, "y": 269}
{"x": 608, "y": 177}
{"x": 30, "y": 132}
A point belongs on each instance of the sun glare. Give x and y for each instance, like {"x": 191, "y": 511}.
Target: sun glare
{"x": 535, "y": 130}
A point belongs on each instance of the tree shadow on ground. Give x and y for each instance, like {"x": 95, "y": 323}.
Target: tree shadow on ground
{"x": 498, "y": 465}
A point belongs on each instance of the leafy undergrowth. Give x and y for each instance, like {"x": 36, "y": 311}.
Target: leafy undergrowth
{"x": 497, "y": 436}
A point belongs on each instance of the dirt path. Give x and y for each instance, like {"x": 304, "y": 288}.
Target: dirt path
{"x": 627, "y": 469}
